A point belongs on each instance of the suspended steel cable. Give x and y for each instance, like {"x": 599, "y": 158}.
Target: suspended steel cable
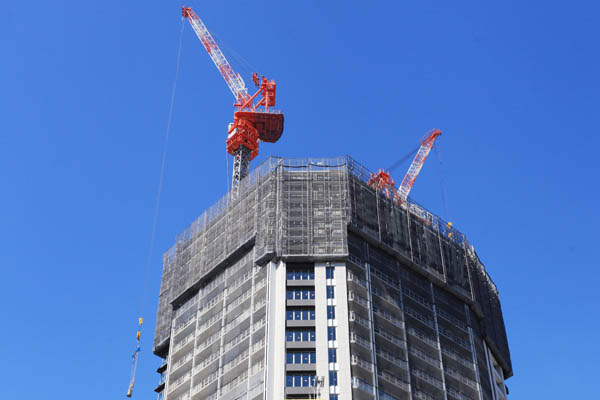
{"x": 155, "y": 217}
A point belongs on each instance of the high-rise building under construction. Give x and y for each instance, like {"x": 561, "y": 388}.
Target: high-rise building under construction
{"x": 310, "y": 284}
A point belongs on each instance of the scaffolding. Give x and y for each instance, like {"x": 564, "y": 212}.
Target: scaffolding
{"x": 303, "y": 209}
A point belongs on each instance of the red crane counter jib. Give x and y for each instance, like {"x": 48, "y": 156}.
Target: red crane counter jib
{"x": 253, "y": 120}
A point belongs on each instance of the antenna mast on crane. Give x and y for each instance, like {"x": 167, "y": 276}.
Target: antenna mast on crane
{"x": 253, "y": 120}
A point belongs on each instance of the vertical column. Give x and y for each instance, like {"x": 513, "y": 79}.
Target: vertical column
{"x": 222, "y": 331}
{"x": 439, "y": 344}
{"x": 170, "y": 362}
{"x": 253, "y": 269}
{"x": 401, "y": 299}
{"x": 474, "y": 352}
{"x": 489, "y": 367}
{"x": 343, "y": 332}
{"x": 275, "y": 350}
{"x": 372, "y": 331}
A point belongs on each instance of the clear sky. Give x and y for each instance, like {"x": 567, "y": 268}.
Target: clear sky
{"x": 84, "y": 97}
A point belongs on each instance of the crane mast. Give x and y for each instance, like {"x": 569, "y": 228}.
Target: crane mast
{"x": 254, "y": 118}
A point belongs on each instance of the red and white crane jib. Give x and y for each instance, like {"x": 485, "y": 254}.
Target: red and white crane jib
{"x": 233, "y": 79}
{"x": 417, "y": 164}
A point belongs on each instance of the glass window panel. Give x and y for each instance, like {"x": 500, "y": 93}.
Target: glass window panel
{"x": 332, "y": 355}
{"x": 313, "y": 336}
{"x": 289, "y": 275}
{"x": 313, "y": 358}
{"x": 305, "y": 315}
{"x": 331, "y": 333}
{"x": 305, "y": 358}
{"x": 297, "y": 358}
{"x": 289, "y": 381}
{"x": 289, "y": 358}
{"x": 290, "y": 294}
{"x": 298, "y": 336}
{"x": 305, "y": 380}
{"x": 312, "y": 294}
{"x": 289, "y": 336}
{"x": 332, "y": 378}
{"x": 311, "y": 275}
{"x": 298, "y": 315}
{"x": 297, "y": 380}
{"x": 304, "y": 274}
{"x": 305, "y": 295}
{"x": 312, "y": 315}
{"x": 298, "y": 275}
{"x": 289, "y": 315}
{"x": 305, "y": 336}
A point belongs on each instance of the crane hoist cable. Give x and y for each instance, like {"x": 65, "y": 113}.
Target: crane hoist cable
{"x": 136, "y": 353}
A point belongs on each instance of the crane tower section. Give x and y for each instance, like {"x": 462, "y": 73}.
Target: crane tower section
{"x": 254, "y": 119}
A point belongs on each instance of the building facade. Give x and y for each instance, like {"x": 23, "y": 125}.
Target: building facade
{"x": 313, "y": 286}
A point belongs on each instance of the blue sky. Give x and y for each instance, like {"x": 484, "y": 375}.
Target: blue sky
{"x": 85, "y": 94}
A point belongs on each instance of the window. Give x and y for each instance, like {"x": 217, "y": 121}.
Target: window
{"x": 301, "y": 357}
{"x": 333, "y": 378}
{"x": 289, "y": 315}
{"x": 305, "y": 274}
{"x": 330, "y": 312}
{"x": 331, "y": 333}
{"x": 312, "y": 315}
{"x": 298, "y": 336}
{"x": 305, "y": 380}
{"x": 298, "y": 380}
{"x": 329, "y": 272}
{"x": 333, "y": 397}
{"x": 289, "y": 336}
{"x": 313, "y": 336}
{"x": 311, "y": 275}
{"x": 305, "y": 336}
{"x": 289, "y": 381}
{"x": 297, "y": 315}
{"x": 332, "y": 355}
{"x": 290, "y": 294}
{"x": 330, "y": 292}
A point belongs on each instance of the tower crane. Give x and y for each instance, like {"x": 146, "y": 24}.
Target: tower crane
{"x": 382, "y": 180}
{"x": 254, "y": 119}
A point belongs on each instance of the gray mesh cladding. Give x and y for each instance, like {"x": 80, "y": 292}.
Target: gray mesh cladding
{"x": 303, "y": 208}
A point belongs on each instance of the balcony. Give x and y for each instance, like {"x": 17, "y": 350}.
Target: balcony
{"x": 355, "y": 360}
{"x": 427, "y": 378}
{"x": 423, "y": 356}
{"x": 394, "y": 380}
{"x": 423, "y": 337}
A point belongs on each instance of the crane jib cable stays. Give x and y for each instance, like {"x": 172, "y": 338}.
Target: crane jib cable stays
{"x": 136, "y": 353}
{"x": 254, "y": 119}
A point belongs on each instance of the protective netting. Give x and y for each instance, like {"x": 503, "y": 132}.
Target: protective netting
{"x": 303, "y": 208}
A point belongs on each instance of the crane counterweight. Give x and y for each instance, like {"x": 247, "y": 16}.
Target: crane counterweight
{"x": 254, "y": 120}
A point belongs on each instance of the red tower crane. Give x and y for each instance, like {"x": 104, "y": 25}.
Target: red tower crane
{"x": 382, "y": 180}
{"x": 253, "y": 120}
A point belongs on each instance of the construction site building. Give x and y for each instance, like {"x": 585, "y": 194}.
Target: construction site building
{"x": 310, "y": 284}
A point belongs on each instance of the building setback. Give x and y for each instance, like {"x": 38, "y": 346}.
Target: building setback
{"x": 312, "y": 285}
